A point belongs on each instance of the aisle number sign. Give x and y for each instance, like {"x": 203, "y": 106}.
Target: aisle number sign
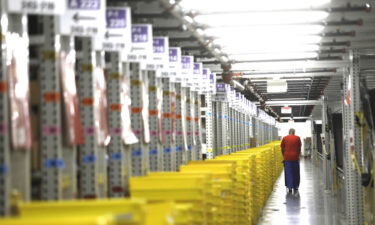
{"x": 174, "y": 62}
{"x": 117, "y": 36}
{"x": 83, "y": 18}
{"x": 161, "y": 52}
{"x": 44, "y": 7}
{"x": 142, "y": 43}
{"x": 187, "y": 69}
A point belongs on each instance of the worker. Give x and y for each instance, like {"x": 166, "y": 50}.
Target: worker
{"x": 291, "y": 150}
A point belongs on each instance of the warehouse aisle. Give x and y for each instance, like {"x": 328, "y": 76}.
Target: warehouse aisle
{"x": 312, "y": 207}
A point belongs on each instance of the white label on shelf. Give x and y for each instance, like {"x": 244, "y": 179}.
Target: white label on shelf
{"x": 45, "y": 7}
{"x": 84, "y": 18}
{"x": 117, "y": 36}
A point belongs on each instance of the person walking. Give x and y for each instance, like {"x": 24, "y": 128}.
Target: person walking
{"x": 291, "y": 149}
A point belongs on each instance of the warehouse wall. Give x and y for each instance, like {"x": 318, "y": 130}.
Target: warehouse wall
{"x": 303, "y": 129}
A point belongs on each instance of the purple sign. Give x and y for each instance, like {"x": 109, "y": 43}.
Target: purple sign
{"x": 212, "y": 78}
{"x": 116, "y": 18}
{"x": 238, "y": 96}
{"x": 197, "y": 68}
{"x": 186, "y": 62}
{"x": 173, "y": 55}
{"x": 139, "y": 33}
{"x": 159, "y": 45}
{"x": 84, "y": 4}
{"x": 220, "y": 87}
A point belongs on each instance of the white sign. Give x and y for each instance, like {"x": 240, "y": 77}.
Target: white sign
{"x": 142, "y": 43}
{"x": 45, "y": 7}
{"x": 187, "y": 65}
{"x": 117, "y": 36}
{"x": 286, "y": 110}
{"x": 85, "y": 18}
{"x": 161, "y": 52}
{"x": 174, "y": 62}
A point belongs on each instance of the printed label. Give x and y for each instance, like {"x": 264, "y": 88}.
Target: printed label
{"x": 116, "y": 18}
{"x": 83, "y": 18}
{"x": 46, "y": 7}
{"x": 173, "y": 55}
{"x": 159, "y": 45}
{"x": 186, "y": 62}
{"x": 139, "y": 34}
{"x": 118, "y": 31}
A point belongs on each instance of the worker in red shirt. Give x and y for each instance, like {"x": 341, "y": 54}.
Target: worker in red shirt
{"x": 291, "y": 149}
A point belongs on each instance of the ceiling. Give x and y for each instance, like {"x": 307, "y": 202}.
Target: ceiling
{"x": 305, "y": 42}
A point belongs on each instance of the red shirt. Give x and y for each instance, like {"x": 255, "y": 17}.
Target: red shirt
{"x": 291, "y": 145}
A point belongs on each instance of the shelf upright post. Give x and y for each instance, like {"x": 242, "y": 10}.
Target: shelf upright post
{"x": 5, "y": 145}
{"x": 187, "y": 74}
{"x": 209, "y": 114}
{"x": 117, "y": 168}
{"x": 209, "y": 126}
{"x": 189, "y": 112}
{"x": 197, "y": 155}
{"x": 15, "y": 165}
{"x": 53, "y": 162}
{"x": 154, "y": 112}
{"x": 117, "y": 44}
{"x": 172, "y": 142}
{"x": 156, "y": 69}
{"x": 88, "y": 152}
{"x": 140, "y": 57}
{"x": 169, "y": 104}
{"x": 326, "y": 149}
{"x": 19, "y": 167}
{"x": 352, "y": 142}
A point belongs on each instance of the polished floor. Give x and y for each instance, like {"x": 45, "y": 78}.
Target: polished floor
{"x": 312, "y": 206}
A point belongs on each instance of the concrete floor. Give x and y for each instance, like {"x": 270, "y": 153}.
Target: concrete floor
{"x": 313, "y": 206}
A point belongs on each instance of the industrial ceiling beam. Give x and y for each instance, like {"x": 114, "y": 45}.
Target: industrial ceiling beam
{"x": 294, "y": 117}
{"x": 292, "y": 75}
{"x": 294, "y": 102}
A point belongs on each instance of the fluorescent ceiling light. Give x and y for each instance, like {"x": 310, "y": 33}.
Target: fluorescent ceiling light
{"x": 240, "y": 48}
{"x": 261, "y": 18}
{"x": 266, "y": 40}
{"x": 265, "y": 30}
{"x": 269, "y": 56}
{"x": 276, "y": 77}
{"x": 253, "y": 5}
{"x": 274, "y": 65}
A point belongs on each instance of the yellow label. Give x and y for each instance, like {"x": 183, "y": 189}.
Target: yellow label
{"x": 66, "y": 181}
{"x": 100, "y": 178}
{"x": 115, "y": 76}
{"x": 136, "y": 82}
{"x": 49, "y": 55}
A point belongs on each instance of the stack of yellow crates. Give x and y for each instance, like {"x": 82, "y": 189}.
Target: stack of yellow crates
{"x": 228, "y": 190}
{"x": 102, "y": 212}
{"x": 181, "y": 188}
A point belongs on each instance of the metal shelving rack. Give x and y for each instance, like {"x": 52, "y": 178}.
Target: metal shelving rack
{"x": 190, "y": 126}
{"x": 139, "y": 151}
{"x": 169, "y": 104}
{"x": 118, "y": 156}
{"x": 181, "y": 139}
{"x": 156, "y": 153}
{"x": 352, "y": 143}
{"x": 50, "y": 116}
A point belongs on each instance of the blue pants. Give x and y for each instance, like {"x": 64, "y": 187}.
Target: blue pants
{"x": 292, "y": 177}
